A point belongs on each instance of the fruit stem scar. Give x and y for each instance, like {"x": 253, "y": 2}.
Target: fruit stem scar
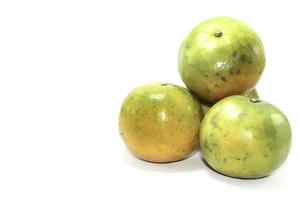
{"x": 218, "y": 34}
{"x": 255, "y": 100}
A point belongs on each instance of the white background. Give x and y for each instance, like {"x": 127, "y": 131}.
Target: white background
{"x": 66, "y": 67}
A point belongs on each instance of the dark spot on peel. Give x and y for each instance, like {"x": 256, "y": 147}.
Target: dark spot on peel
{"x": 205, "y": 75}
{"x": 187, "y": 46}
{"x": 207, "y": 146}
{"x": 243, "y": 58}
{"x": 238, "y": 159}
{"x": 265, "y": 155}
{"x": 214, "y": 123}
{"x": 234, "y": 71}
{"x": 217, "y": 74}
{"x": 271, "y": 148}
{"x": 224, "y": 160}
{"x": 234, "y": 54}
{"x": 223, "y": 78}
{"x": 247, "y": 155}
{"x": 269, "y": 130}
{"x": 216, "y": 156}
{"x": 164, "y": 84}
{"x": 216, "y": 85}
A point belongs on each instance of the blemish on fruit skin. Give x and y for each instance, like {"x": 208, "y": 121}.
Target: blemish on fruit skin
{"x": 270, "y": 148}
{"x": 206, "y": 145}
{"x": 224, "y": 160}
{"x": 243, "y": 58}
{"x": 131, "y": 98}
{"x": 238, "y": 158}
{"x": 236, "y": 71}
{"x": 214, "y": 123}
{"x": 234, "y": 54}
{"x": 216, "y": 85}
{"x": 217, "y": 156}
{"x": 186, "y": 46}
{"x": 269, "y": 130}
{"x": 247, "y": 155}
{"x": 223, "y": 78}
{"x": 218, "y": 74}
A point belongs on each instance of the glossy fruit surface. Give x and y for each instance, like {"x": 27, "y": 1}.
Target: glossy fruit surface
{"x": 244, "y": 138}
{"x": 221, "y": 57}
{"x": 159, "y": 122}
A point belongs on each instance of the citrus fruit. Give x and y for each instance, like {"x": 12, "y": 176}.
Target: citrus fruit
{"x": 159, "y": 122}
{"x": 221, "y": 57}
{"x": 244, "y": 137}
